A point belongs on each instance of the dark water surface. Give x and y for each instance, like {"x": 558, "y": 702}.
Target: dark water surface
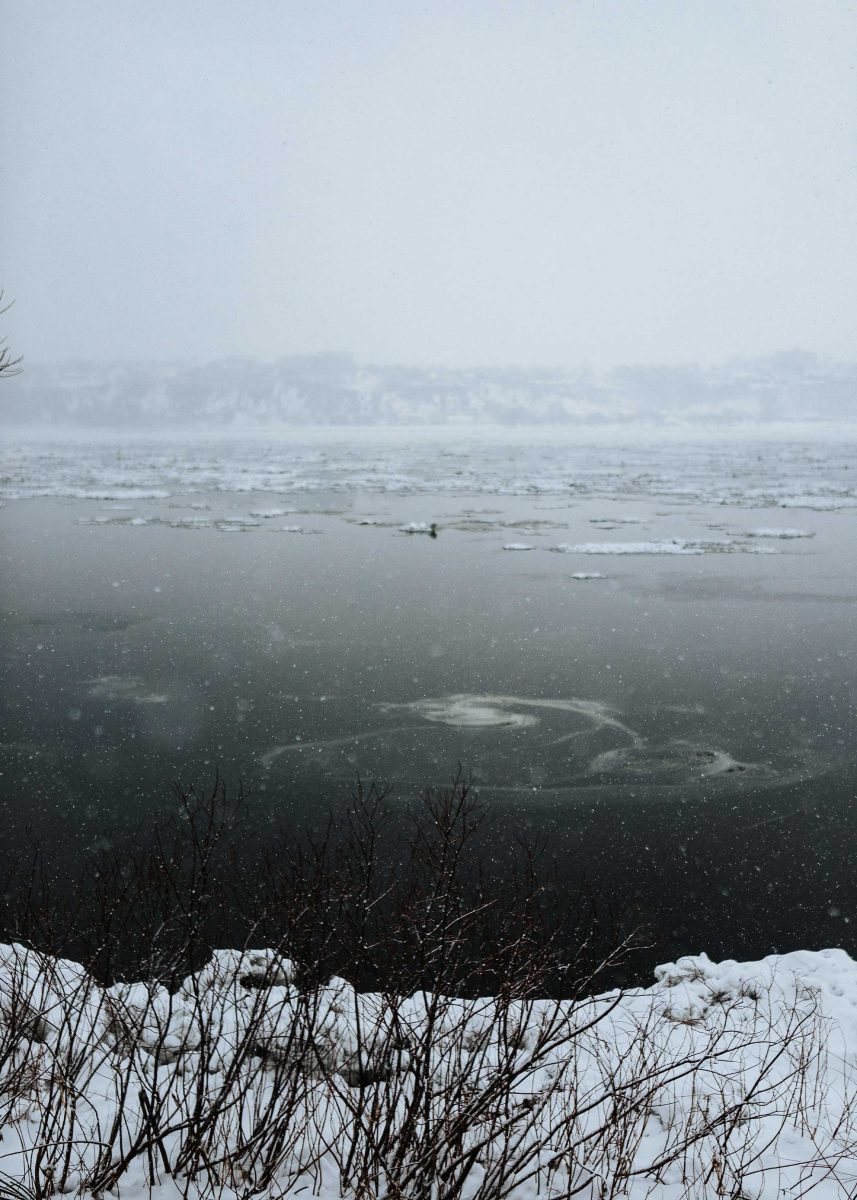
{"x": 681, "y": 730}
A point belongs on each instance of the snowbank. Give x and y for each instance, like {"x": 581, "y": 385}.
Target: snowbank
{"x": 729, "y": 1078}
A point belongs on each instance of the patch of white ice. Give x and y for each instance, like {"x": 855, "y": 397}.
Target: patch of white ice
{"x": 670, "y": 546}
{"x": 471, "y": 712}
{"x": 129, "y": 493}
{"x": 778, "y": 533}
{"x": 419, "y": 527}
{"x": 466, "y": 711}
{"x": 675, "y": 545}
{"x": 236, "y": 524}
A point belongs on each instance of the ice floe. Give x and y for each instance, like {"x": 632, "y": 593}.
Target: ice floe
{"x": 765, "y": 532}
{"x": 419, "y": 527}
{"x": 129, "y": 493}
{"x": 467, "y": 711}
{"x": 753, "y": 475}
{"x": 670, "y": 546}
{"x": 677, "y": 545}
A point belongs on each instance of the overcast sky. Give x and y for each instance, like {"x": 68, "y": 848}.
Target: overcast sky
{"x": 459, "y": 183}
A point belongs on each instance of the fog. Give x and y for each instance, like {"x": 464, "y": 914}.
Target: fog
{"x": 444, "y": 184}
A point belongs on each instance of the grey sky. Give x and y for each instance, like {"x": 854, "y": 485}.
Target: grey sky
{"x": 444, "y": 182}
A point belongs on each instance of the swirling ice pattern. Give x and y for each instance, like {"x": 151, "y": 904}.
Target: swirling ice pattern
{"x": 637, "y": 761}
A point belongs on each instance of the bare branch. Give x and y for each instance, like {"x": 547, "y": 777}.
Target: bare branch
{"x": 8, "y": 365}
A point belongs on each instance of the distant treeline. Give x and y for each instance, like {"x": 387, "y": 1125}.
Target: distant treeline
{"x": 333, "y": 389}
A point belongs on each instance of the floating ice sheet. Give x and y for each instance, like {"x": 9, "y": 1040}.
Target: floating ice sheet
{"x": 754, "y": 474}
{"x": 419, "y": 527}
{"x": 466, "y": 711}
{"x": 765, "y": 532}
{"x": 667, "y": 546}
{"x": 671, "y": 546}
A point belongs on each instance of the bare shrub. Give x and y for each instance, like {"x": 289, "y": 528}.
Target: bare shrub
{"x": 410, "y": 1031}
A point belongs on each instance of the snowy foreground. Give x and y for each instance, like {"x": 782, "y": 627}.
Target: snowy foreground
{"x": 730, "y": 1079}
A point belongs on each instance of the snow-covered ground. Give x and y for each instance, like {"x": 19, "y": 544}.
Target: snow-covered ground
{"x": 722, "y": 1079}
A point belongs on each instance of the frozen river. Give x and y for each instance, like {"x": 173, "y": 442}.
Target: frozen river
{"x": 643, "y": 655}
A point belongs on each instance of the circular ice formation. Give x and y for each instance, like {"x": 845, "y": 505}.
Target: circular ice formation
{"x": 676, "y": 761}
{"x": 466, "y": 711}
{"x": 472, "y": 712}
